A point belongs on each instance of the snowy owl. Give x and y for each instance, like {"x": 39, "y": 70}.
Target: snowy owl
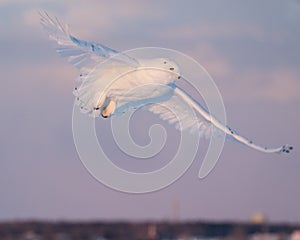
{"x": 163, "y": 72}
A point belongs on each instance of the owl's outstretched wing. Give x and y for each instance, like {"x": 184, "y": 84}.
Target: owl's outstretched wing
{"x": 82, "y": 54}
{"x": 177, "y": 111}
{"x": 203, "y": 122}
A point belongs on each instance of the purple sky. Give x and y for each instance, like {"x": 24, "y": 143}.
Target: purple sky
{"x": 252, "y": 51}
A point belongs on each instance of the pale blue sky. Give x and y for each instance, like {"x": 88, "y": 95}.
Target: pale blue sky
{"x": 250, "y": 49}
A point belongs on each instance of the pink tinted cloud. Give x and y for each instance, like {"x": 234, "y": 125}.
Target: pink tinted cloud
{"x": 203, "y": 30}
{"x": 271, "y": 85}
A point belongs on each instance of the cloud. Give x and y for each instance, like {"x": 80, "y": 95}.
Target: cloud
{"x": 220, "y": 30}
{"x": 18, "y": 2}
{"x": 274, "y": 85}
{"x": 217, "y": 65}
{"x": 284, "y": 85}
{"x": 32, "y": 80}
{"x": 101, "y": 18}
{"x": 95, "y": 19}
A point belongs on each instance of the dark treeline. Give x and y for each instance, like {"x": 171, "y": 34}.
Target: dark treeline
{"x": 129, "y": 230}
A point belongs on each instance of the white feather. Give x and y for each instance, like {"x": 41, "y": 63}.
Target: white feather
{"x": 82, "y": 54}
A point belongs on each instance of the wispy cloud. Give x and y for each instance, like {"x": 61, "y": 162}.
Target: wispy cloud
{"x": 273, "y": 85}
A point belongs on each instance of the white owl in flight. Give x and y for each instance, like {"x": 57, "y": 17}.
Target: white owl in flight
{"x": 117, "y": 97}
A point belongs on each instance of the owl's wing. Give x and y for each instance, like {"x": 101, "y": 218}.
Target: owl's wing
{"x": 82, "y": 54}
{"x": 203, "y": 122}
{"x": 178, "y": 112}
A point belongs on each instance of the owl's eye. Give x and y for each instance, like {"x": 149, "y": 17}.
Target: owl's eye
{"x": 165, "y": 62}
